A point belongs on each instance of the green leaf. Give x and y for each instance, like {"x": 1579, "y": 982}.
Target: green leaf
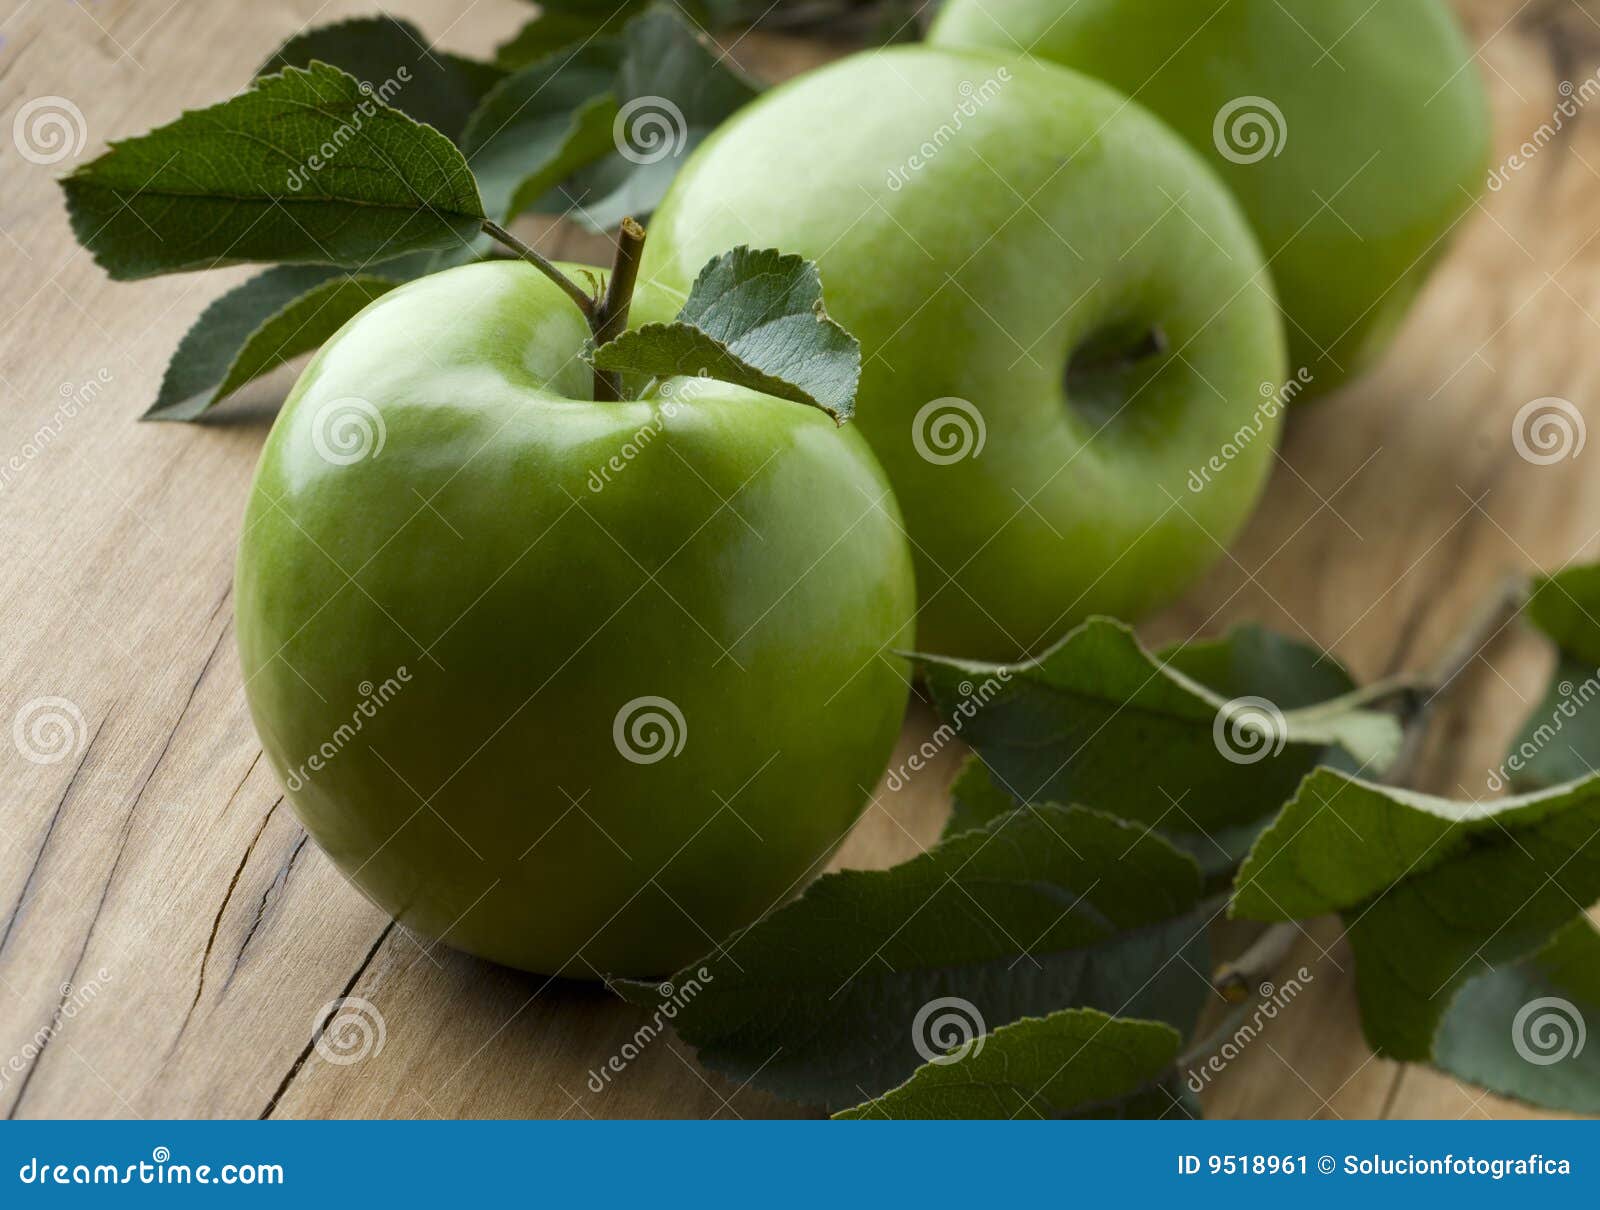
{"x": 396, "y": 61}
{"x": 755, "y": 319}
{"x": 560, "y": 27}
{"x": 541, "y": 124}
{"x": 256, "y": 327}
{"x": 1252, "y": 661}
{"x": 837, "y": 995}
{"x": 672, "y": 90}
{"x": 218, "y": 186}
{"x": 1099, "y": 721}
{"x": 1522, "y": 1029}
{"x": 1560, "y": 739}
{"x": 1072, "y": 1064}
{"x": 975, "y": 799}
{"x": 1433, "y": 892}
{"x": 1566, "y": 606}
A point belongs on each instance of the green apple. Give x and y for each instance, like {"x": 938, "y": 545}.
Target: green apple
{"x": 1354, "y": 132}
{"x": 1071, "y": 357}
{"x": 578, "y": 687}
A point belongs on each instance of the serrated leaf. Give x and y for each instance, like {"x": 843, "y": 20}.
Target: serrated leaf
{"x": 672, "y": 89}
{"x": 256, "y": 327}
{"x": 828, "y": 999}
{"x": 394, "y": 58}
{"x": 1099, "y": 721}
{"x": 1433, "y": 892}
{"x": 755, "y": 319}
{"x": 1077, "y": 1063}
{"x": 541, "y": 124}
{"x": 213, "y": 188}
{"x": 1522, "y": 1029}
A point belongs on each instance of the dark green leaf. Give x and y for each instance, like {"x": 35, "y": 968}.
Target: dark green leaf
{"x": 754, "y": 319}
{"x": 256, "y": 327}
{"x": 238, "y": 182}
{"x": 1522, "y": 1029}
{"x": 672, "y": 90}
{"x": 1566, "y": 606}
{"x": 1433, "y": 892}
{"x": 1099, "y": 721}
{"x": 542, "y": 124}
{"x": 1072, "y": 1064}
{"x": 562, "y": 27}
{"x": 1252, "y": 661}
{"x": 394, "y": 59}
{"x": 836, "y": 997}
{"x": 1560, "y": 740}
{"x": 975, "y": 799}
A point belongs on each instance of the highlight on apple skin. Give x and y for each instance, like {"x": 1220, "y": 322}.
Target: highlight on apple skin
{"x": 1072, "y": 351}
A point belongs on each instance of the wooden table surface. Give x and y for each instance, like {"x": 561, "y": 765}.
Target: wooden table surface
{"x": 167, "y": 935}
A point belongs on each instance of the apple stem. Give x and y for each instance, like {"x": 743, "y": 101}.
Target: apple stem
{"x": 573, "y": 290}
{"x": 610, "y": 319}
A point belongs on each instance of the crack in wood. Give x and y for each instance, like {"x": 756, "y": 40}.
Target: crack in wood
{"x": 216, "y": 921}
{"x": 300, "y": 1060}
{"x": 116, "y": 865}
{"x": 38, "y": 857}
{"x": 279, "y": 880}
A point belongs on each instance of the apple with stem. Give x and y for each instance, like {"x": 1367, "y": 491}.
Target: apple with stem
{"x": 1071, "y": 347}
{"x": 574, "y": 669}
{"x": 1355, "y": 133}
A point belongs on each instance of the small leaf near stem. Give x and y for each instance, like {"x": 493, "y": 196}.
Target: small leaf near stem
{"x": 610, "y": 319}
{"x": 573, "y": 290}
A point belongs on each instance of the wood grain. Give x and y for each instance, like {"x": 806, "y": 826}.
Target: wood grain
{"x": 158, "y": 865}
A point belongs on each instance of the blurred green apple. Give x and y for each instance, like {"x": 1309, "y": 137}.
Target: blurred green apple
{"x": 1071, "y": 349}
{"x": 1355, "y": 133}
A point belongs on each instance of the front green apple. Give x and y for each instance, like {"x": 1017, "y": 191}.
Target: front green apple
{"x": 1354, "y": 132}
{"x": 1071, "y": 349}
{"x": 578, "y": 687}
